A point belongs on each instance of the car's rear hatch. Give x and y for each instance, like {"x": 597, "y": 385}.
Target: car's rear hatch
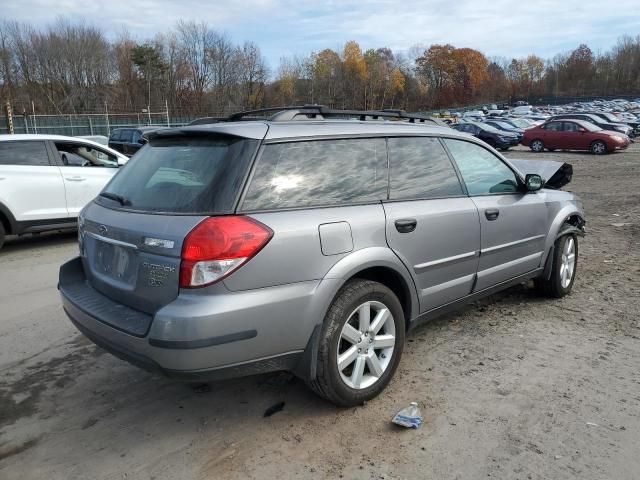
{"x": 132, "y": 234}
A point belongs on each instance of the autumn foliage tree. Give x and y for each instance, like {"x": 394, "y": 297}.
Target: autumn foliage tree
{"x": 71, "y": 67}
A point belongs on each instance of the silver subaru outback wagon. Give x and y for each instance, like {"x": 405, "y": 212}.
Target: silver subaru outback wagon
{"x": 311, "y": 240}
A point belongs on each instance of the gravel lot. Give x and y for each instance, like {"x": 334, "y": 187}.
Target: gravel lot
{"x": 513, "y": 387}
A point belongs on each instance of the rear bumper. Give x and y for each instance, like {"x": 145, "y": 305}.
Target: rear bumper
{"x": 198, "y": 337}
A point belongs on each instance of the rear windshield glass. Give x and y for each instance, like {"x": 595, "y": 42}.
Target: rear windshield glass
{"x": 184, "y": 175}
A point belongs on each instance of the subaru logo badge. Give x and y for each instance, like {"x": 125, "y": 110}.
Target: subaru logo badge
{"x": 103, "y": 229}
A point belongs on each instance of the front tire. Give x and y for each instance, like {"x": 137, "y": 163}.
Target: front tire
{"x": 360, "y": 345}
{"x": 563, "y": 270}
{"x": 598, "y": 148}
{"x": 537, "y": 146}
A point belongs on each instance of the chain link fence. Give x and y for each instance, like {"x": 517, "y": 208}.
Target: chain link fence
{"x": 89, "y": 124}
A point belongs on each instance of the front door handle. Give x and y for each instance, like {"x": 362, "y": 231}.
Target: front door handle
{"x": 492, "y": 214}
{"x": 406, "y": 225}
{"x": 76, "y": 179}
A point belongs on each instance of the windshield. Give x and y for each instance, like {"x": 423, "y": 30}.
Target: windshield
{"x": 590, "y": 126}
{"x": 184, "y": 175}
{"x": 505, "y": 126}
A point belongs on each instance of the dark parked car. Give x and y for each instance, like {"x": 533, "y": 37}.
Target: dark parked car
{"x": 596, "y": 120}
{"x": 610, "y": 117}
{"x": 128, "y": 140}
{"x": 490, "y": 135}
{"x": 506, "y": 127}
{"x": 573, "y": 135}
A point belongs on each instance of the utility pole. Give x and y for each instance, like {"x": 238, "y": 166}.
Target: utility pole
{"x": 166, "y": 107}
{"x": 106, "y": 112}
{"x": 33, "y": 109}
{"x": 9, "y": 113}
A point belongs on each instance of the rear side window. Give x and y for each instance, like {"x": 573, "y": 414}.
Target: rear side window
{"x": 319, "y": 173}
{"x": 186, "y": 175}
{"x": 23, "y": 153}
{"x": 125, "y": 136}
{"x": 420, "y": 168}
{"x": 553, "y": 126}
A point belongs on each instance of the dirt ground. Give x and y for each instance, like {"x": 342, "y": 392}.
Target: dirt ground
{"x": 512, "y": 387}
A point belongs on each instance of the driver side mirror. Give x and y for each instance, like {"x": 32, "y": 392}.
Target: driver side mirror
{"x": 582, "y": 130}
{"x": 533, "y": 182}
{"x": 142, "y": 140}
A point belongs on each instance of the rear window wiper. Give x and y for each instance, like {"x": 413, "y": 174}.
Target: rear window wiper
{"x": 124, "y": 201}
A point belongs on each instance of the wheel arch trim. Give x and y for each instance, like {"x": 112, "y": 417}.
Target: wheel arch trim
{"x": 560, "y": 227}
{"x": 10, "y": 219}
{"x": 342, "y": 271}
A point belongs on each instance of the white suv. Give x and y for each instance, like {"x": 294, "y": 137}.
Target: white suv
{"x": 45, "y": 180}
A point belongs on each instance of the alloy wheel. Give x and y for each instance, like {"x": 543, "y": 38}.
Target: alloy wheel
{"x": 567, "y": 262}
{"x": 598, "y": 148}
{"x": 366, "y": 345}
{"x": 537, "y": 146}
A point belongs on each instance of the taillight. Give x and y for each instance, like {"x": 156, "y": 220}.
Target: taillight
{"x": 219, "y": 245}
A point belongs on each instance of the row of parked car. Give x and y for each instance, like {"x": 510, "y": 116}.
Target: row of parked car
{"x": 598, "y": 127}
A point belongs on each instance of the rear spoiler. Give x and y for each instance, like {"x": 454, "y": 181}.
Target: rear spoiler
{"x": 555, "y": 174}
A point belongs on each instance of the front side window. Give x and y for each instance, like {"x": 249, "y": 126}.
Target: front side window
{"x": 319, "y": 173}
{"x": 570, "y": 127}
{"x": 24, "y": 153}
{"x": 483, "y": 172}
{"x": 420, "y": 168}
{"x": 136, "y": 136}
{"x": 79, "y": 155}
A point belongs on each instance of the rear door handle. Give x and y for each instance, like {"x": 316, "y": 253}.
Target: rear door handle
{"x": 492, "y": 214}
{"x": 76, "y": 179}
{"x": 406, "y": 225}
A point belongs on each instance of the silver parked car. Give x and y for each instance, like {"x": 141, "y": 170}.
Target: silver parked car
{"x": 311, "y": 242}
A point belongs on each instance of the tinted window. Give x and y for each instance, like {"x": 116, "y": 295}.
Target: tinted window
{"x": 324, "y": 172}
{"x": 136, "y": 136}
{"x": 420, "y": 168}
{"x": 23, "y": 153}
{"x": 125, "y": 136}
{"x": 183, "y": 175}
{"x": 482, "y": 171}
{"x": 116, "y": 135}
{"x": 553, "y": 126}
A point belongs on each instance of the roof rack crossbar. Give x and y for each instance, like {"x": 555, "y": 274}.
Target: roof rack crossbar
{"x": 322, "y": 112}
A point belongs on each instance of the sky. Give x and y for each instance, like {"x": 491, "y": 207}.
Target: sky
{"x": 505, "y": 28}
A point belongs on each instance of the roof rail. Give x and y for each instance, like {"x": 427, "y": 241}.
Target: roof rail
{"x": 318, "y": 112}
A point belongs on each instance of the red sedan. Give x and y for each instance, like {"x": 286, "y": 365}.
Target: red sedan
{"x": 573, "y": 135}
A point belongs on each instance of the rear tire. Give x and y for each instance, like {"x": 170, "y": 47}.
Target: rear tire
{"x": 598, "y": 148}
{"x": 351, "y": 369}
{"x": 2, "y": 235}
{"x": 537, "y": 146}
{"x": 563, "y": 270}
